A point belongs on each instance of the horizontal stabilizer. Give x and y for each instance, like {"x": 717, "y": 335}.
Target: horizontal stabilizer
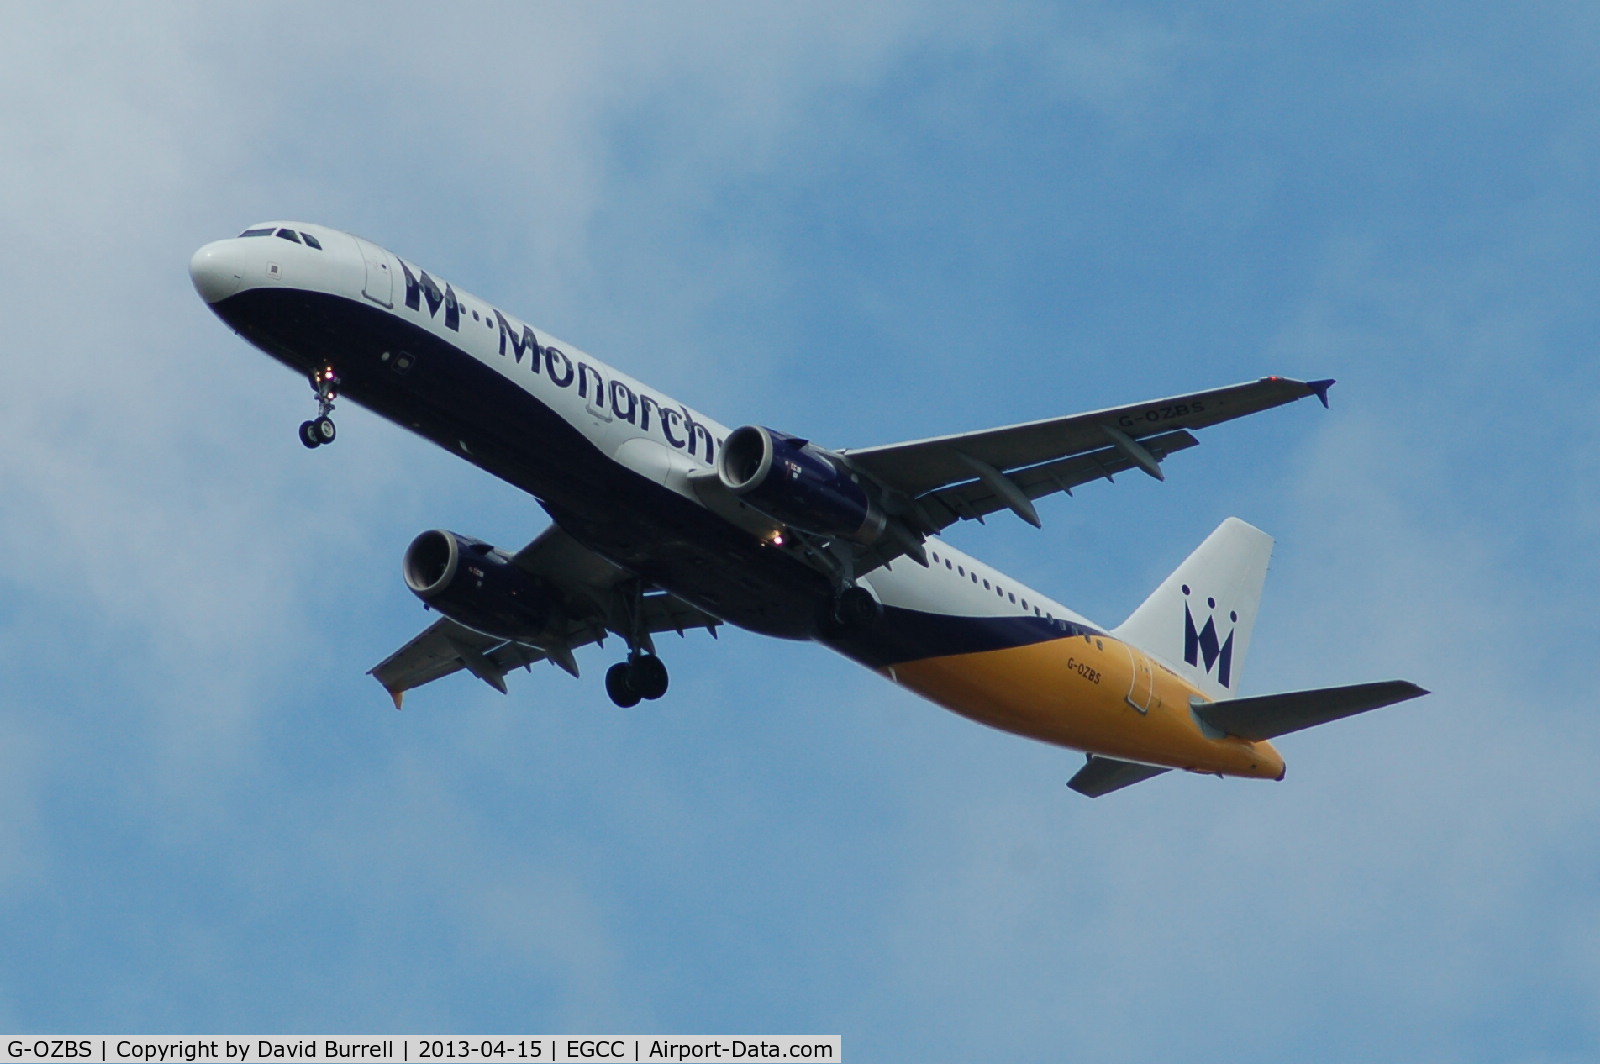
{"x": 1102, "y": 775}
{"x": 1270, "y": 716}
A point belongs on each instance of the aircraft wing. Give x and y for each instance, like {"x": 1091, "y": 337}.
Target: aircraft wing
{"x": 976, "y": 473}
{"x": 596, "y": 596}
{"x": 445, "y": 647}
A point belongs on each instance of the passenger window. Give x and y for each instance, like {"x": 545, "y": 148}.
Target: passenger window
{"x": 311, "y": 241}
{"x": 288, "y": 234}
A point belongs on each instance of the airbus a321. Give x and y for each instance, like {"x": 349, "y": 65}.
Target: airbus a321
{"x": 665, "y": 520}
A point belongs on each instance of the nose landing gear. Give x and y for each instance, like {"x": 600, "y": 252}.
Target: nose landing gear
{"x": 316, "y": 432}
{"x": 319, "y": 430}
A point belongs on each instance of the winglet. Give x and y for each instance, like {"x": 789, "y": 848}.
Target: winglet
{"x": 398, "y": 694}
{"x": 1320, "y": 389}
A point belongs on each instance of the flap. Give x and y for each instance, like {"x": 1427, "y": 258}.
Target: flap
{"x": 977, "y": 499}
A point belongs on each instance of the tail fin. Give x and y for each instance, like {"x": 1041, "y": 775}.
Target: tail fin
{"x": 1199, "y": 620}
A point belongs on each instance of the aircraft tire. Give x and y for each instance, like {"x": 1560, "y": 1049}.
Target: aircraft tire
{"x": 619, "y": 687}
{"x": 648, "y": 677}
{"x": 308, "y": 434}
{"x": 323, "y": 428}
{"x": 855, "y": 610}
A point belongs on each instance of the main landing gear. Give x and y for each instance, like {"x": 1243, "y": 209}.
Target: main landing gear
{"x": 852, "y": 611}
{"x": 319, "y": 430}
{"x": 855, "y": 610}
{"x": 641, "y": 677}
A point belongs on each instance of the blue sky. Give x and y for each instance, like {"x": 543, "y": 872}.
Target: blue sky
{"x": 861, "y": 225}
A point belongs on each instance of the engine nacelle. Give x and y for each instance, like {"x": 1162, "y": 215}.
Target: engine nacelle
{"x": 474, "y": 584}
{"x": 790, "y": 480}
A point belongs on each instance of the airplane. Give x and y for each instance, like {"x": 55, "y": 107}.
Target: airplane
{"x": 665, "y": 520}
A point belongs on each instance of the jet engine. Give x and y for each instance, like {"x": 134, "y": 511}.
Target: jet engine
{"x": 790, "y": 480}
{"x": 477, "y": 585}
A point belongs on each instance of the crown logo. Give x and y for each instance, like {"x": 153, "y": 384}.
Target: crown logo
{"x": 1204, "y": 643}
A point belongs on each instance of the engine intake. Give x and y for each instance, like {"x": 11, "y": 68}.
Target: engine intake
{"x": 477, "y": 585}
{"x": 790, "y": 480}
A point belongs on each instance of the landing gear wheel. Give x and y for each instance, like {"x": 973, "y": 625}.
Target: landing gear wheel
{"x": 647, "y": 676}
{"x": 856, "y": 610}
{"x": 619, "y": 687}
{"x": 323, "y": 429}
{"x": 308, "y": 434}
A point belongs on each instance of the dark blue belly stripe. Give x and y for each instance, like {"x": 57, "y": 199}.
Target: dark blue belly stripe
{"x": 449, "y": 397}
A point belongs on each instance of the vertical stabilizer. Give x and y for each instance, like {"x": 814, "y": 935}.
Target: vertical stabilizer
{"x": 1199, "y": 620}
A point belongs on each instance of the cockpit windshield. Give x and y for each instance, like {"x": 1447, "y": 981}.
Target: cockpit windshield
{"x": 284, "y": 234}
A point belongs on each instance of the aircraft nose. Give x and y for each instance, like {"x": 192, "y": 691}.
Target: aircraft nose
{"x": 217, "y": 270}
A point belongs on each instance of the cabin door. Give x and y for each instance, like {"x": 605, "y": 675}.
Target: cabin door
{"x": 1141, "y": 681}
{"x": 380, "y": 278}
